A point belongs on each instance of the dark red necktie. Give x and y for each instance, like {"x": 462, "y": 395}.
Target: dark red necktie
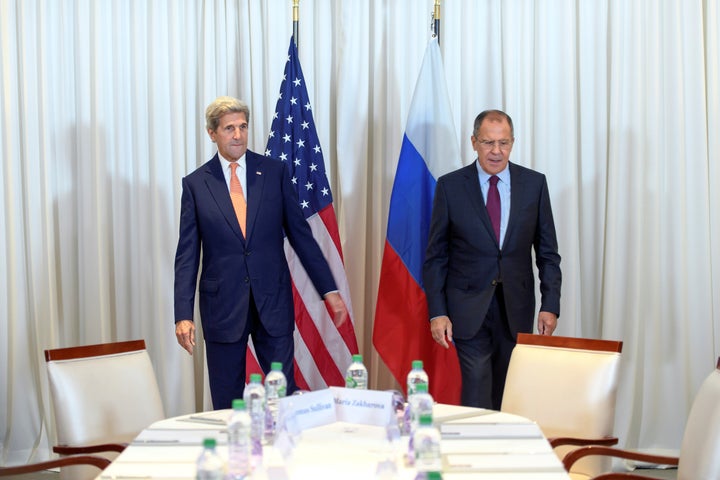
{"x": 493, "y": 206}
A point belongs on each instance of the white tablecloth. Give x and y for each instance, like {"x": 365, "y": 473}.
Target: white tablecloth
{"x": 477, "y": 444}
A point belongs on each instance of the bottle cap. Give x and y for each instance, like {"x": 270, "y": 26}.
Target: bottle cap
{"x": 357, "y": 358}
{"x": 238, "y": 404}
{"x": 276, "y": 366}
{"x": 417, "y": 364}
{"x": 255, "y": 378}
{"x": 426, "y": 419}
{"x": 209, "y": 443}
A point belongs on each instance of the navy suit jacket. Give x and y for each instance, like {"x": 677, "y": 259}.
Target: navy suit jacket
{"x": 233, "y": 266}
{"x": 463, "y": 261}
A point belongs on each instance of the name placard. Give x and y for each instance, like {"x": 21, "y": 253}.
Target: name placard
{"x": 367, "y": 407}
{"x": 309, "y": 410}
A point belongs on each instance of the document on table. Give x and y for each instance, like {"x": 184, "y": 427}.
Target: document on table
{"x": 541, "y": 462}
{"x": 161, "y": 437}
{"x": 217, "y": 417}
{"x": 469, "y": 430}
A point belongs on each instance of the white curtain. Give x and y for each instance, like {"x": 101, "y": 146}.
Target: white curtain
{"x": 102, "y": 106}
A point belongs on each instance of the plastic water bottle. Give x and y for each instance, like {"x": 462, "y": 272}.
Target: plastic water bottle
{"x": 254, "y": 397}
{"x": 416, "y": 376}
{"x": 427, "y": 448}
{"x": 275, "y": 389}
{"x": 428, "y": 476}
{"x": 419, "y": 404}
{"x": 356, "y": 375}
{"x": 238, "y": 429}
{"x": 210, "y": 466}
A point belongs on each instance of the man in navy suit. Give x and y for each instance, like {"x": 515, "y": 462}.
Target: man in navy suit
{"x": 245, "y": 287}
{"x": 478, "y": 277}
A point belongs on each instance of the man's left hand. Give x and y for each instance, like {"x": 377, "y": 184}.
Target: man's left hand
{"x": 337, "y": 306}
{"x": 546, "y": 323}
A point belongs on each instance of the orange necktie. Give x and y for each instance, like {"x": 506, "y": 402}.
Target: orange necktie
{"x": 237, "y": 197}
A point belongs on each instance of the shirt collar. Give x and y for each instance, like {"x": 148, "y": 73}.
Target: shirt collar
{"x": 504, "y": 175}
{"x": 240, "y": 162}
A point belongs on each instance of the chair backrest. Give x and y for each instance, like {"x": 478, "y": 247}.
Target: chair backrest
{"x": 568, "y": 386}
{"x": 700, "y": 449}
{"x": 105, "y": 393}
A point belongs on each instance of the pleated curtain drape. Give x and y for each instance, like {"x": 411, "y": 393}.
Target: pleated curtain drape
{"x": 101, "y": 115}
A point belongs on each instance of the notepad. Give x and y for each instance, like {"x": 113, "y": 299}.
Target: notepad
{"x": 157, "y": 437}
{"x": 465, "y": 430}
{"x": 534, "y": 463}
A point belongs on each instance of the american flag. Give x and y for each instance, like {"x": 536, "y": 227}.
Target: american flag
{"x": 322, "y": 351}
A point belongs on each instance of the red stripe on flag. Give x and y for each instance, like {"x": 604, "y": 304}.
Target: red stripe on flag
{"x": 315, "y": 343}
{"x": 327, "y": 215}
{"x": 347, "y": 329}
{"x": 401, "y": 332}
{"x": 251, "y": 365}
{"x": 299, "y": 378}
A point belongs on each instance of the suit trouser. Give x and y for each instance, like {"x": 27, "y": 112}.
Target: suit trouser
{"x": 227, "y": 361}
{"x": 484, "y": 359}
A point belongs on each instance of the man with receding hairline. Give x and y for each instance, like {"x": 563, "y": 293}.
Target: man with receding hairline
{"x": 487, "y": 219}
{"x": 235, "y": 211}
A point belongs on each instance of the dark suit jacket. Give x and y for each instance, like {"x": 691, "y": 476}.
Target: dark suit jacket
{"x": 463, "y": 261}
{"x": 232, "y": 265}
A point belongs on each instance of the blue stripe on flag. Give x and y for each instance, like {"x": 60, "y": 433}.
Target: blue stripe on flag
{"x": 410, "y": 209}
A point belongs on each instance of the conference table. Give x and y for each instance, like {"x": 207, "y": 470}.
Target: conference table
{"x": 476, "y": 444}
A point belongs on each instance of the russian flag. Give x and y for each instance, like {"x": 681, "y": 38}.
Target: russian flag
{"x": 401, "y": 331}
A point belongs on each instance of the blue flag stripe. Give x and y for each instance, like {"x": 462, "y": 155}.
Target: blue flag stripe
{"x": 410, "y": 209}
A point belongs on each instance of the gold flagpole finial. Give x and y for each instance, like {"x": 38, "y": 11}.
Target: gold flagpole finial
{"x": 436, "y": 20}
{"x": 296, "y": 20}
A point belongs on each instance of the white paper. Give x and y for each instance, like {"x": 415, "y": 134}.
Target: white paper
{"x": 489, "y": 430}
{"x": 368, "y": 407}
{"x": 312, "y": 409}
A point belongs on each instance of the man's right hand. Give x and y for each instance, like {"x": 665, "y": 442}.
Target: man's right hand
{"x": 441, "y": 329}
{"x": 185, "y": 333}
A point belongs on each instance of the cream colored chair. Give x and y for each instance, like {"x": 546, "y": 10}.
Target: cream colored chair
{"x": 568, "y": 386}
{"x": 700, "y": 449}
{"x": 103, "y": 396}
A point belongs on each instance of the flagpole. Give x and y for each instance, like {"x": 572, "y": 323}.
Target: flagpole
{"x": 436, "y": 21}
{"x": 296, "y": 20}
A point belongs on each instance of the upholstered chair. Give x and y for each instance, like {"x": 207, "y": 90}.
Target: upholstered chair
{"x": 568, "y": 386}
{"x": 700, "y": 448}
{"x": 102, "y": 396}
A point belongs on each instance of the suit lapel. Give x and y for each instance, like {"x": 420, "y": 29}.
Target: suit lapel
{"x": 215, "y": 181}
{"x": 517, "y": 180}
{"x": 254, "y": 164}
{"x": 474, "y": 193}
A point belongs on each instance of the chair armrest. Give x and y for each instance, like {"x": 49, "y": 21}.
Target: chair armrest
{"x": 99, "y": 462}
{"x": 84, "y": 449}
{"x": 604, "y": 441}
{"x": 581, "y": 452}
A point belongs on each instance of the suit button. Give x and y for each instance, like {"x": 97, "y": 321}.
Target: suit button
{"x": 247, "y": 279}
{"x": 247, "y": 254}
{"x": 493, "y": 283}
